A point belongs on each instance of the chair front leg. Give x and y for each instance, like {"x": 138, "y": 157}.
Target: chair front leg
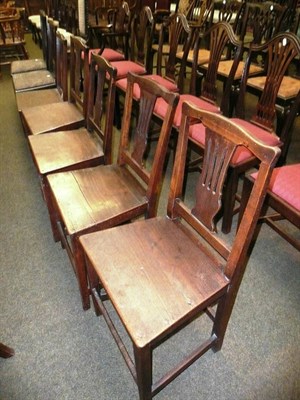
{"x": 143, "y": 366}
{"x": 81, "y": 273}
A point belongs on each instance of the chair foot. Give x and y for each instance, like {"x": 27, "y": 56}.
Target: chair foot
{"x": 5, "y": 351}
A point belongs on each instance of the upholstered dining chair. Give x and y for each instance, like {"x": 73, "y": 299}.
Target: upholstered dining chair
{"x": 87, "y": 146}
{"x": 163, "y": 273}
{"x": 280, "y": 51}
{"x": 282, "y": 201}
{"x": 66, "y": 114}
{"x": 97, "y": 198}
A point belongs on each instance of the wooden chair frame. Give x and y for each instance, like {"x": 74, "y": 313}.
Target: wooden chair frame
{"x": 167, "y": 289}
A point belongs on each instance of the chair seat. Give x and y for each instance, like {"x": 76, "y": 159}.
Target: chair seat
{"x": 225, "y": 67}
{"x": 123, "y": 67}
{"x": 161, "y": 107}
{"x": 52, "y": 117}
{"x": 34, "y": 98}
{"x": 88, "y": 198}
{"x": 168, "y": 284}
{"x": 20, "y": 66}
{"x": 33, "y": 80}
{"x": 197, "y": 133}
{"x": 166, "y": 83}
{"x": 57, "y": 150}
{"x": 288, "y": 89}
{"x": 108, "y": 54}
{"x": 283, "y": 184}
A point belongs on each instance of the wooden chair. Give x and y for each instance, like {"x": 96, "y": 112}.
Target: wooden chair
{"x": 220, "y": 35}
{"x": 33, "y": 98}
{"x": 113, "y": 41}
{"x": 43, "y": 78}
{"x": 280, "y": 51}
{"x": 97, "y": 198}
{"x": 282, "y": 201}
{"x": 36, "y": 64}
{"x": 67, "y": 114}
{"x": 163, "y": 273}
{"x": 12, "y": 43}
{"x": 84, "y": 147}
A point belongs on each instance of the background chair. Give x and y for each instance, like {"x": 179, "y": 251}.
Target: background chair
{"x": 83, "y": 147}
{"x": 33, "y": 98}
{"x": 282, "y": 201}
{"x": 12, "y": 43}
{"x": 67, "y": 114}
{"x": 163, "y": 273}
{"x": 97, "y": 198}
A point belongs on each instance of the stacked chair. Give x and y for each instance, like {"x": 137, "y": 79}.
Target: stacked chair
{"x": 157, "y": 274}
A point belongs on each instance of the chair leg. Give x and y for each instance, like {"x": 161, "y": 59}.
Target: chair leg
{"x": 5, "y": 351}
{"x": 81, "y": 274}
{"x": 143, "y": 365}
{"x": 52, "y": 213}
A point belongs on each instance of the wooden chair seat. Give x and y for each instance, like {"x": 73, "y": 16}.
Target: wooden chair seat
{"x": 59, "y": 150}
{"x": 92, "y": 197}
{"x": 170, "y": 285}
{"x": 52, "y": 117}
{"x": 20, "y": 66}
{"x": 33, "y": 79}
{"x": 37, "y": 98}
{"x": 288, "y": 89}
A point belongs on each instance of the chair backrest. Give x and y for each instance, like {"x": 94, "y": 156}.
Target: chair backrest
{"x": 180, "y": 38}
{"x": 61, "y": 65}
{"x": 230, "y": 11}
{"x": 133, "y": 144}
{"x": 79, "y": 73}
{"x": 200, "y": 210}
{"x": 262, "y": 21}
{"x": 200, "y": 13}
{"x": 45, "y": 37}
{"x": 101, "y": 11}
{"x": 279, "y": 52}
{"x": 220, "y": 37}
{"x": 142, "y": 29}
{"x": 11, "y": 31}
{"x": 102, "y": 89}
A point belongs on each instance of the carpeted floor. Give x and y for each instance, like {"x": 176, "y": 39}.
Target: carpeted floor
{"x": 62, "y": 352}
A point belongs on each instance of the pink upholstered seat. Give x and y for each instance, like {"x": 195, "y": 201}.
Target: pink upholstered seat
{"x": 197, "y": 133}
{"x": 109, "y": 54}
{"x": 161, "y": 107}
{"x": 283, "y": 184}
{"x": 123, "y": 67}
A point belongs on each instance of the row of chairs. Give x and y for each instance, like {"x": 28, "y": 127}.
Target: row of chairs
{"x": 162, "y": 272}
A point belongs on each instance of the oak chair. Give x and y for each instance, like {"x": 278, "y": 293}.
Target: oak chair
{"x": 97, "y": 198}
{"x": 40, "y": 78}
{"x": 282, "y": 201}
{"x": 84, "y": 147}
{"x": 163, "y": 273}
{"x": 67, "y": 114}
{"x": 36, "y": 64}
{"x": 33, "y": 98}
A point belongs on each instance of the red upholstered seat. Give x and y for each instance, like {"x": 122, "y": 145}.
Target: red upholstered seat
{"x": 109, "y": 54}
{"x": 161, "y": 107}
{"x": 166, "y": 83}
{"x": 197, "y": 133}
{"x": 283, "y": 184}
{"x": 123, "y": 67}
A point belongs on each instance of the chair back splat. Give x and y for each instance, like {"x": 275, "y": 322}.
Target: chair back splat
{"x": 162, "y": 273}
